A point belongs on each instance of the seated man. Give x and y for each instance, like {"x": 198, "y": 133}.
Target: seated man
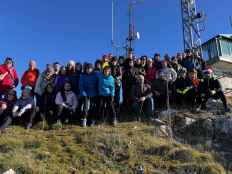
{"x": 211, "y": 88}
{"x": 6, "y": 106}
{"x": 182, "y": 88}
{"x": 25, "y": 107}
{"x": 142, "y": 98}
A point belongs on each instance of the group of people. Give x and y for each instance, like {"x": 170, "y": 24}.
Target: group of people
{"x": 91, "y": 94}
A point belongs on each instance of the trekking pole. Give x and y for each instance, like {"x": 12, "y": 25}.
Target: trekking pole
{"x": 168, "y": 109}
{"x": 141, "y": 110}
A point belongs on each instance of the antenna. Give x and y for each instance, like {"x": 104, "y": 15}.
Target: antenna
{"x": 191, "y": 20}
{"x": 115, "y": 46}
{"x": 231, "y": 21}
{"x": 132, "y": 34}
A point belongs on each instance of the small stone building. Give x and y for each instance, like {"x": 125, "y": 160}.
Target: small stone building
{"x": 218, "y": 52}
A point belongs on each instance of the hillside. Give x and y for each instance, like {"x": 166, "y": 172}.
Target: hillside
{"x": 105, "y": 149}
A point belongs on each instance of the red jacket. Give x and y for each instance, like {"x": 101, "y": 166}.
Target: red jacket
{"x": 150, "y": 74}
{"x": 30, "y": 77}
{"x": 10, "y": 81}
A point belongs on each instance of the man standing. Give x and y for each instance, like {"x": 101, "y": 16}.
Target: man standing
{"x": 30, "y": 76}
{"x": 8, "y": 76}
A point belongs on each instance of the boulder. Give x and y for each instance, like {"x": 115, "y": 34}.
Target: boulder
{"x": 223, "y": 125}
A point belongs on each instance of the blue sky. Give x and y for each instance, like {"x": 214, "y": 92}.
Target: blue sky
{"x": 51, "y": 30}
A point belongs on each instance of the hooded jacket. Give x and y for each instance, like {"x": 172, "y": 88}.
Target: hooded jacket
{"x": 106, "y": 85}
{"x": 88, "y": 85}
{"x": 41, "y": 84}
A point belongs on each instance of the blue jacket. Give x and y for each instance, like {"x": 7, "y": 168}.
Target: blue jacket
{"x": 88, "y": 85}
{"x": 191, "y": 64}
{"x": 106, "y": 85}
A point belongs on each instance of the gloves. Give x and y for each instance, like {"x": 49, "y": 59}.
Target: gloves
{"x": 64, "y": 105}
{"x": 21, "y": 112}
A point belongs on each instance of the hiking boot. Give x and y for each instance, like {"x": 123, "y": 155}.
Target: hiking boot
{"x": 227, "y": 109}
{"x": 84, "y": 122}
{"x": 93, "y": 122}
{"x": 138, "y": 119}
{"x": 203, "y": 107}
{"x": 29, "y": 126}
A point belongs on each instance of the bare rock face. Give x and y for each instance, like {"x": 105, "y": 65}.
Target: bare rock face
{"x": 223, "y": 126}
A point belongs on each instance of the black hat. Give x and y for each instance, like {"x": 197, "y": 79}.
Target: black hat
{"x": 89, "y": 65}
{"x": 114, "y": 59}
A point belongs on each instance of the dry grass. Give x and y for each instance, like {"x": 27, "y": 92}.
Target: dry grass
{"x": 100, "y": 150}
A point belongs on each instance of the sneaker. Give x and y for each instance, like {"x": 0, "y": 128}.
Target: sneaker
{"x": 67, "y": 121}
{"x": 84, "y": 122}
{"x": 115, "y": 122}
{"x": 93, "y": 122}
{"x": 59, "y": 123}
{"x": 138, "y": 119}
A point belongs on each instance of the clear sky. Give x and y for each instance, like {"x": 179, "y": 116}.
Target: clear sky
{"x": 59, "y": 30}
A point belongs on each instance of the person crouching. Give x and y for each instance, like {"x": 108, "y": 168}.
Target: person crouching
{"x": 66, "y": 102}
{"x": 143, "y": 104}
{"x": 6, "y": 106}
{"x": 24, "y": 107}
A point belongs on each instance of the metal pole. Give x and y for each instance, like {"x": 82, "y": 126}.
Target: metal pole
{"x": 113, "y": 26}
{"x": 231, "y": 21}
{"x": 169, "y": 110}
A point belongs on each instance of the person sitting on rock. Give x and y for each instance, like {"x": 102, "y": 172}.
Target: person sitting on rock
{"x": 211, "y": 88}
{"x": 142, "y": 98}
{"x": 6, "y": 106}
{"x": 183, "y": 89}
{"x": 24, "y": 107}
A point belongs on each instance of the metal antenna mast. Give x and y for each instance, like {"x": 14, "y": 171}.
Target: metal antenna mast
{"x": 231, "y": 21}
{"x": 191, "y": 20}
{"x": 132, "y": 34}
